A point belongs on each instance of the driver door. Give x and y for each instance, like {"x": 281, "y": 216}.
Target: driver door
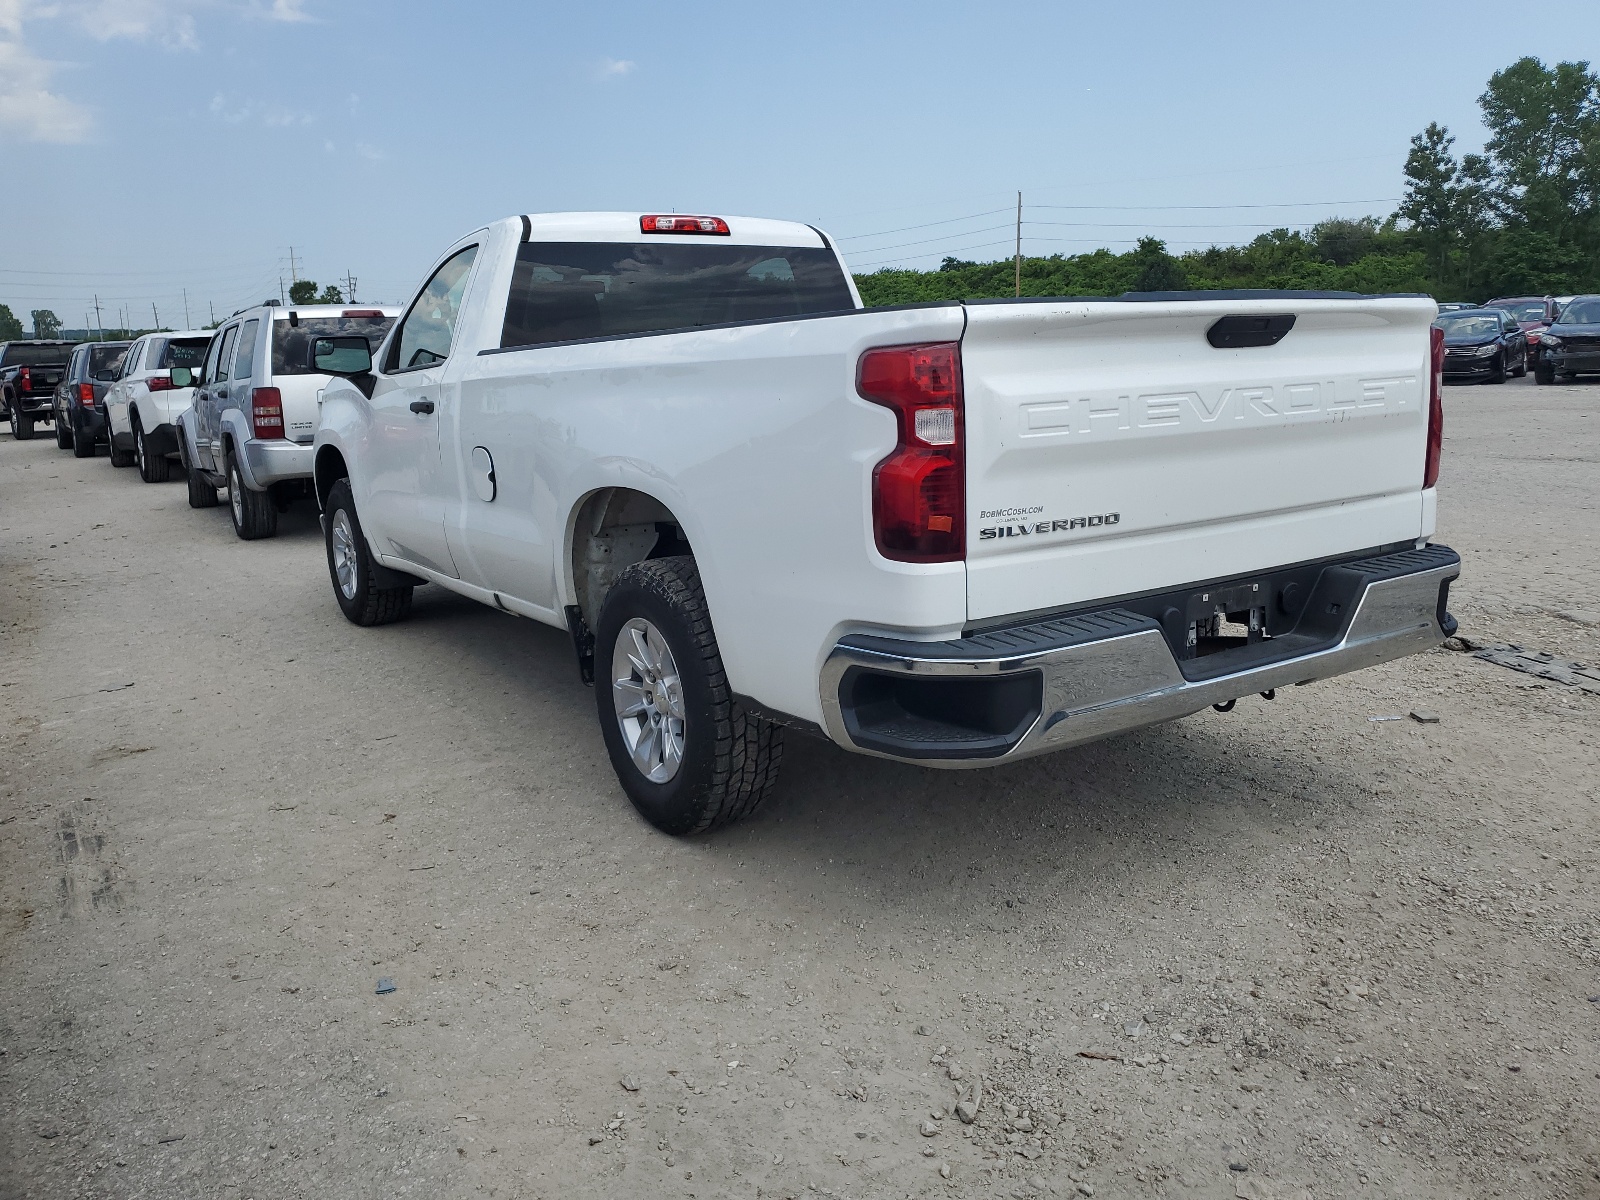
{"x": 405, "y": 490}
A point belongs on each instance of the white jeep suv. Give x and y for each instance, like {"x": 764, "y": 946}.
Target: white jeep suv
{"x": 142, "y": 406}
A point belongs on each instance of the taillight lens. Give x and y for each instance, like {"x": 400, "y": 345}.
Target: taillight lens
{"x": 159, "y": 383}
{"x": 919, "y": 491}
{"x": 266, "y": 412}
{"x": 1430, "y": 465}
{"x": 86, "y": 394}
{"x": 25, "y": 379}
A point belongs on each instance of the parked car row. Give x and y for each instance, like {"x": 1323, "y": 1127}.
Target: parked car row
{"x": 948, "y": 534}
{"x": 1555, "y": 337}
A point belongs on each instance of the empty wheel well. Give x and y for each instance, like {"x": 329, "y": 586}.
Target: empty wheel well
{"x": 613, "y": 529}
{"x": 327, "y": 471}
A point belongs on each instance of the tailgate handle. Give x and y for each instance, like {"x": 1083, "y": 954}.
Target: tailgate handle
{"x": 1238, "y": 330}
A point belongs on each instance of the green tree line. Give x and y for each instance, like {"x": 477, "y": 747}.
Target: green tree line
{"x": 1522, "y": 218}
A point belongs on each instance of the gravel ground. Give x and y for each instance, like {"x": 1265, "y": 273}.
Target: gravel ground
{"x": 1288, "y": 951}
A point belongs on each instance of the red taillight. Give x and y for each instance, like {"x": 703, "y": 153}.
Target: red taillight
{"x": 266, "y": 412}
{"x": 159, "y": 383}
{"x": 362, "y": 312}
{"x": 1430, "y": 464}
{"x": 25, "y": 379}
{"x": 679, "y": 224}
{"x": 86, "y": 394}
{"x": 919, "y": 491}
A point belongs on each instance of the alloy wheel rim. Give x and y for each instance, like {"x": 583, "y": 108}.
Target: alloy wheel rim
{"x": 235, "y": 500}
{"x": 647, "y": 694}
{"x": 344, "y": 553}
{"x": 138, "y": 448}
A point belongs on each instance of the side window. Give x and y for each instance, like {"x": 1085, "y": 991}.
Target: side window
{"x": 429, "y": 327}
{"x": 228, "y": 334}
{"x": 131, "y": 363}
{"x": 80, "y": 356}
{"x": 245, "y": 365}
{"x": 210, "y": 370}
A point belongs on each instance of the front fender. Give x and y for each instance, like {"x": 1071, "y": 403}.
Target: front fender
{"x": 343, "y": 422}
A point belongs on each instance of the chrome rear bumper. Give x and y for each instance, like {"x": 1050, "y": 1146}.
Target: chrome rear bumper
{"x": 1113, "y": 670}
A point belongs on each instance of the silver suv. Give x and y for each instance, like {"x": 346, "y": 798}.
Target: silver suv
{"x": 255, "y": 408}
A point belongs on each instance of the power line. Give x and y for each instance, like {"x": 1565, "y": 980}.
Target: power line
{"x": 927, "y": 225}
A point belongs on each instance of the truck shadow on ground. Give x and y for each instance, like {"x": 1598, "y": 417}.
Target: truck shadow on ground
{"x": 1169, "y": 796}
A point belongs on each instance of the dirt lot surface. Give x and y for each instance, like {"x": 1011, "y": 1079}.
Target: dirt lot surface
{"x": 1287, "y": 951}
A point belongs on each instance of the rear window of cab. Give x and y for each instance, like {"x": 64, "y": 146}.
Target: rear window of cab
{"x": 571, "y": 291}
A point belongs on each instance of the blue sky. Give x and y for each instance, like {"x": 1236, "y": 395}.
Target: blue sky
{"x": 147, "y": 146}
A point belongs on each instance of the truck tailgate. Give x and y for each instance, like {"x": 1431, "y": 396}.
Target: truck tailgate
{"x": 1112, "y": 449}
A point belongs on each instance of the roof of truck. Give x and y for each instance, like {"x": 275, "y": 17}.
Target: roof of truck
{"x": 624, "y": 227}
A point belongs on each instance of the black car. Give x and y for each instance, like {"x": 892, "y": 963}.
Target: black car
{"x": 29, "y": 372}
{"x": 79, "y": 399}
{"x": 1482, "y": 343}
{"x": 1572, "y": 345}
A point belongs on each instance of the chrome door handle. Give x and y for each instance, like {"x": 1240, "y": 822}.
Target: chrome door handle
{"x": 422, "y": 406}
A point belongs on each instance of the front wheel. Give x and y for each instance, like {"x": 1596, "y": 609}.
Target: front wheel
{"x": 82, "y": 442}
{"x": 688, "y": 755}
{"x": 201, "y": 493}
{"x": 1498, "y": 373}
{"x": 119, "y": 456}
{"x": 153, "y": 468}
{"x": 350, "y": 565}
{"x": 254, "y": 514}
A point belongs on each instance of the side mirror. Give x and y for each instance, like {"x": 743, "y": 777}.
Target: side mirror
{"x": 341, "y": 355}
{"x": 183, "y": 377}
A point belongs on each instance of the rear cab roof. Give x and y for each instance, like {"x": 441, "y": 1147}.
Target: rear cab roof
{"x": 624, "y": 227}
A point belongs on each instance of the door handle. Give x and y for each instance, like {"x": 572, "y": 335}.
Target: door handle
{"x": 422, "y": 406}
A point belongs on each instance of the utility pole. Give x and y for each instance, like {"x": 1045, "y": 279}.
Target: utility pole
{"x": 349, "y": 287}
{"x": 97, "y": 323}
{"x": 1019, "y": 244}
{"x": 211, "y": 306}
{"x": 294, "y": 276}
{"x": 282, "y": 299}
{"x": 155, "y": 314}
{"x": 186, "y": 324}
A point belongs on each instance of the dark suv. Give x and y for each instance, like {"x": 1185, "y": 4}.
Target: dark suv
{"x": 29, "y": 372}
{"x": 80, "y": 397}
{"x": 1572, "y": 345}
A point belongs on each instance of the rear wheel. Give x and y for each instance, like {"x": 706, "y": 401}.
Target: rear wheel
{"x": 351, "y": 565}
{"x": 254, "y": 514}
{"x": 63, "y": 434}
{"x": 21, "y": 425}
{"x": 688, "y": 755}
{"x": 201, "y": 493}
{"x": 153, "y": 468}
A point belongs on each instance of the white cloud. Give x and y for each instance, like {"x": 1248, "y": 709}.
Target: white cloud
{"x": 168, "y": 22}
{"x": 289, "y": 10}
{"x": 615, "y": 68}
{"x": 370, "y": 153}
{"x": 29, "y": 110}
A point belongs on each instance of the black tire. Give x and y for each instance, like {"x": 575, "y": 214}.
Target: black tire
{"x": 201, "y": 493}
{"x": 1543, "y": 373}
{"x": 82, "y": 443}
{"x": 153, "y": 468}
{"x": 119, "y": 458}
{"x": 361, "y": 600}
{"x": 1498, "y": 375}
{"x": 21, "y": 426}
{"x": 730, "y": 758}
{"x": 63, "y": 432}
{"x": 1522, "y": 365}
{"x": 254, "y": 515}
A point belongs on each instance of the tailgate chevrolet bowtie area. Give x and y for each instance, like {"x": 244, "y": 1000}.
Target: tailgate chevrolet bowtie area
{"x": 1062, "y": 680}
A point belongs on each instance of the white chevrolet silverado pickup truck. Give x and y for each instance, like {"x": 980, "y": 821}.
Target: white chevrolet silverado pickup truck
{"x": 953, "y": 534}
